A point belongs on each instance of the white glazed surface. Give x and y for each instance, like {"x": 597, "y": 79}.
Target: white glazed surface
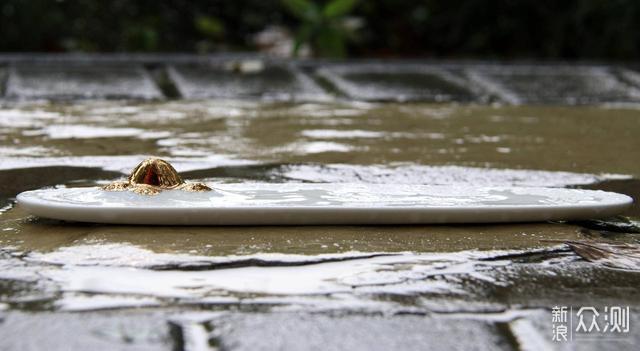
{"x": 300, "y": 204}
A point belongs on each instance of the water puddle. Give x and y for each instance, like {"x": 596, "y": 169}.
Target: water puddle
{"x": 573, "y": 139}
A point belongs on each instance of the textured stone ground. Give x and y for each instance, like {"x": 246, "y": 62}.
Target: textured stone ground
{"x": 252, "y": 77}
{"x": 84, "y": 121}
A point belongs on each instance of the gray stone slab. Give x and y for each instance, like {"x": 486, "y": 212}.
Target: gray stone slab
{"x": 628, "y": 75}
{"x": 551, "y": 279}
{"x": 400, "y": 82}
{"x": 304, "y": 331}
{"x": 73, "y": 81}
{"x": 84, "y": 331}
{"x": 280, "y": 82}
{"x": 564, "y": 85}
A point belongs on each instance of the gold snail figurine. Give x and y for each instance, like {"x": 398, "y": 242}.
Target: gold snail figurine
{"x": 152, "y": 176}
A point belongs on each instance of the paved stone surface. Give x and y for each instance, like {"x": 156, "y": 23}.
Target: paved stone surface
{"x": 570, "y": 85}
{"x": 553, "y": 279}
{"x": 302, "y": 331}
{"x": 401, "y": 82}
{"x": 255, "y": 77}
{"x": 72, "y": 81}
{"x": 84, "y": 286}
{"x": 87, "y": 331}
{"x": 245, "y": 79}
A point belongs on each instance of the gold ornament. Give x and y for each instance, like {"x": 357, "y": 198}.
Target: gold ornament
{"x": 152, "y": 176}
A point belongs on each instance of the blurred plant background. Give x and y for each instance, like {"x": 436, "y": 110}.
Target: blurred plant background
{"x": 325, "y": 27}
{"x": 590, "y": 29}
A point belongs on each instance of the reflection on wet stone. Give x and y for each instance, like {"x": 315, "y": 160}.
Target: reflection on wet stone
{"x": 571, "y": 85}
{"x": 72, "y": 81}
{"x": 224, "y": 80}
{"x": 562, "y": 280}
{"x": 211, "y": 134}
{"x": 399, "y": 82}
{"x": 309, "y": 240}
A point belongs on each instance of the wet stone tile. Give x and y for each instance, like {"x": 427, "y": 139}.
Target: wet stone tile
{"x": 571, "y": 85}
{"x": 564, "y": 280}
{"x": 73, "y": 81}
{"x": 88, "y": 331}
{"x": 629, "y": 75}
{"x": 406, "y": 82}
{"x": 245, "y": 80}
{"x": 301, "y": 331}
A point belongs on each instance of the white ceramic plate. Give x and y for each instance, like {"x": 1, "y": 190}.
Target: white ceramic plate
{"x": 301, "y": 204}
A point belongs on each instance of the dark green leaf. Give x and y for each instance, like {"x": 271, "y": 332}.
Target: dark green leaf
{"x": 209, "y": 26}
{"x": 338, "y": 8}
{"x": 330, "y": 42}
{"x": 299, "y": 8}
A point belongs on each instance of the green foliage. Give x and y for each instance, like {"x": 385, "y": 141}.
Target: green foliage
{"x": 209, "y": 26}
{"x": 141, "y": 37}
{"x": 338, "y": 8}
{"x": 588, "y": 29}
{"x": 212, "y": 29}
{"x": 322, "y": 27}
{"x": 303, "y": 9}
